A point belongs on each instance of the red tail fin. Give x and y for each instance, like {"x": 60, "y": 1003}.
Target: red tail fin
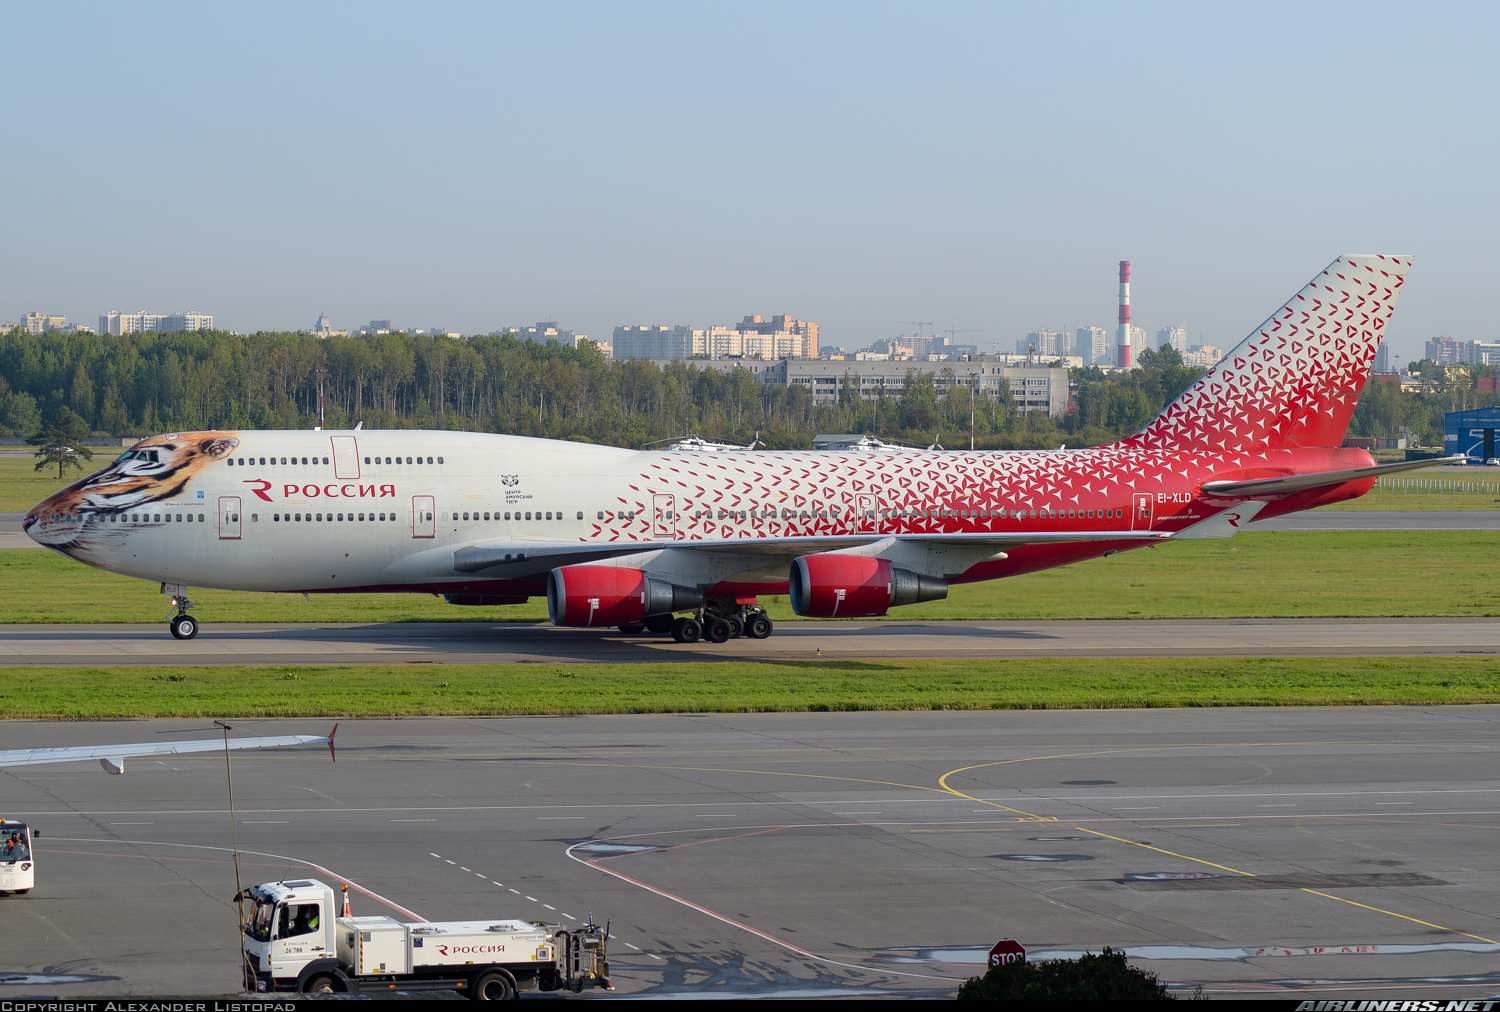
{"x": 1296, "y": 379}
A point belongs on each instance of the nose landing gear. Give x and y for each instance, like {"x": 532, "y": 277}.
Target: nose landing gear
{"x": 183, "y": 625}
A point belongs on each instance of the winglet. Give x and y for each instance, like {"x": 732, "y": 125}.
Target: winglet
{"x": 331, "y": 754}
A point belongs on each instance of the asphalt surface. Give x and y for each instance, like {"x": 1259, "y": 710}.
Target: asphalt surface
{"x": 12, "y": 538}
{"x": 1277, "y": 851}
{"x": 484, "y": 643}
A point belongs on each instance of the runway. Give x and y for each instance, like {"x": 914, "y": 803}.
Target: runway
{"x": 1292, "y": 852}
{"x": 13, "y": 539}
{"x": 510, "y": 643}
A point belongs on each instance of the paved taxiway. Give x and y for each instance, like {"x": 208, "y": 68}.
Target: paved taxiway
{"x": 13, "y": 539}
{"x": 508, "y": 643}
{"x": 1300, "y": 852}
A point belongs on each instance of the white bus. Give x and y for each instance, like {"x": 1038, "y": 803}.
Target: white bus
{"x": 17, "y": 865}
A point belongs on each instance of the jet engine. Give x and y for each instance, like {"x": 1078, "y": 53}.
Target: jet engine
{"x": 606, "y": 595}
{"x": 854, "y": 586}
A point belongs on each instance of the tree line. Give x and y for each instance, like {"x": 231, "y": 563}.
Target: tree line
{"x": 138, "y": 384}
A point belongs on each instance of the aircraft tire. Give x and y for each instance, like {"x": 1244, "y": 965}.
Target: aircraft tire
{"x": 758, "y": 628}
{"x": 716, "y": 630}
{"x": 184, "y": 627}
{"x": 658, "y": 623}
{"x": 634, "y": 629}
{"x": 687, "y": 630}
{"x": 736, "y": 627}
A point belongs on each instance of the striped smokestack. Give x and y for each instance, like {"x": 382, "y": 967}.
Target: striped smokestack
{"x": 1122, "y": 339}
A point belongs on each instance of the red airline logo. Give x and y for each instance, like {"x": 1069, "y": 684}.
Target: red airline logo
{"x": 332, "y": 491}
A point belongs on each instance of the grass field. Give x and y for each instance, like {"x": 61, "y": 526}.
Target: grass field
{"x": 1253, "y": 575}
{"x": 1446, "y": 488}
{"x": 732, "y": 686}
{"x": 22, "y": 488}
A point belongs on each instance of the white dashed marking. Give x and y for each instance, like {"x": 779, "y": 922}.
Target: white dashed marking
{"x": 637, "y": 948}
{"x": 549, "y": 906}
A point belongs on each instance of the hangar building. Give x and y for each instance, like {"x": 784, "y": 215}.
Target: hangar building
{"x": 1471, "y": 433}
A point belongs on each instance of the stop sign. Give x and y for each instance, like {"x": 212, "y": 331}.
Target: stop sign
{"x": 1007, "y": 951}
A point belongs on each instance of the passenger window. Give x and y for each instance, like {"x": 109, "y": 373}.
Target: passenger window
{"x": 298, "y": 919}
{"x": 367, "y": 460}
{"x": 580, "y": 514}
{"x": 507, "y": 516}
{"x": 440, "y": 460}
{"x": 429, "y": 460}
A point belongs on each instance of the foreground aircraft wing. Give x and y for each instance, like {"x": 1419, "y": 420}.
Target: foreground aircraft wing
{"x": 514, "y": 559}
{"x": 112, "y": 757}
{"x": 1303, "y": 482}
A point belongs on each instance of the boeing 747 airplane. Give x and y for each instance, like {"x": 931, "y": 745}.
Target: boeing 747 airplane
{"x": 685, "y": 542}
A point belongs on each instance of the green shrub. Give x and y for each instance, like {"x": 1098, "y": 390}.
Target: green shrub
{"x": 1106, "y": 976}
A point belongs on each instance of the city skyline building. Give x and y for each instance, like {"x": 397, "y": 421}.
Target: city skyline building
{"x": 1092, "y": 345}
{"x": 118, "y": 323}
{"x": 40, "y": 323}
{"x": 1173, "y": 337}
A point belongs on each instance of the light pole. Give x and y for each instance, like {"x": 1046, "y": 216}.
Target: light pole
{"x": 234, "y": 837}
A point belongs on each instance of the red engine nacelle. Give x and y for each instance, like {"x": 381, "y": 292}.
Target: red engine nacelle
{"x": 854, "y": 586}
{"x": 607, "y": 595}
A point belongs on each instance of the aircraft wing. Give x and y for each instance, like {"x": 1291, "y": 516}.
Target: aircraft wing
{"x": 515, "y": 559}
{"x": 112, "y": 757}
{"x": 1303, "y": 482}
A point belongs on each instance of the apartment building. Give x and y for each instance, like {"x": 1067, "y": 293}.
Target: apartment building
{"x": 118, "y": 323}
{"x": 1036, "y": 388}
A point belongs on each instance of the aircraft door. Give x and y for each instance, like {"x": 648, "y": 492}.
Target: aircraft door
{"x": 345, "y": 457}
{"x": 422, "y": 523}
{"x": 229, "y": 518}
{"x": 665, "y": 512}
{"x": 1140, "y": 515}
{"x": 866, "y": 507}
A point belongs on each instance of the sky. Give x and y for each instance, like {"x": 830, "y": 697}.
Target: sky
{"x": 866, "y": 166}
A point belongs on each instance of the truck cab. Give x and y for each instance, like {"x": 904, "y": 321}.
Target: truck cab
{"x": 289, "y": 933}
{"x": 17, "y": 858}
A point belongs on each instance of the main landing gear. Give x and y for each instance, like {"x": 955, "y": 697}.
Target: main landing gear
{"x": 720, "y": 621}
{"x": 183, "y": 625}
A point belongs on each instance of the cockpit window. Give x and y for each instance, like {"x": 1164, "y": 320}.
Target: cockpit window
{"x": 127, "y": 455}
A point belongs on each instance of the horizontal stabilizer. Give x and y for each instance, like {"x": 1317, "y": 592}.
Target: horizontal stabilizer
{"x": 1302, "y": 482}
{"x": 112, "y": 757}
{"x": 1224, "y": 524}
